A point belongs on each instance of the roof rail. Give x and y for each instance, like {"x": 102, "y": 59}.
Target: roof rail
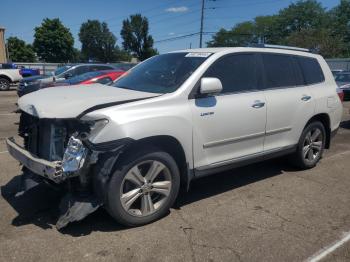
{"x": 281, "y": 47}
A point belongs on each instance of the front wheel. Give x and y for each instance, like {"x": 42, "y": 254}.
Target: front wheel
{"x": 4, "y": 84}
{"x": 311, "y": 146}
{"x": 143, "y": 187}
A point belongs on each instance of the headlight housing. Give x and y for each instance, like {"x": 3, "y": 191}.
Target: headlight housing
{"x": 74, "y": 156}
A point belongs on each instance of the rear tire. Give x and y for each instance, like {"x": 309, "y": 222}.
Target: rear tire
{"x": 4, "y": 84}
{"x": 311, "y": 146}
{"x": 137, "y": 196}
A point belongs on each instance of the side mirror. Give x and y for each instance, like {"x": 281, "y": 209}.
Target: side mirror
{"x": 67, "y": 75}
{"x": 210, "y": 86}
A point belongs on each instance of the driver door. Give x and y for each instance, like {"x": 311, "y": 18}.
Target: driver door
{"x": 231, "y": 125}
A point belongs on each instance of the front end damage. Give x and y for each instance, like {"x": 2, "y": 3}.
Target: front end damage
{"x": 58, "y": 152}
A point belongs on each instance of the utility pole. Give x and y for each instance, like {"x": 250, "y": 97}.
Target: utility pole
{"x": 201, "y": 29}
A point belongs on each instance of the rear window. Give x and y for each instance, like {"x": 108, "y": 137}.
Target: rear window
{"x": 311, "y": 70}
{"x": 280, "y": 71}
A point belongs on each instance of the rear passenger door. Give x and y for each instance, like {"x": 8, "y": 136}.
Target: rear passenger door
{"x": 289, "y": 100}
{"x": 230, "y": 125}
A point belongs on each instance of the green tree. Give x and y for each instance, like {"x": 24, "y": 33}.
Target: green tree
{"x": 320, "y": 40}
{"x": 136, "y": 38}
{"x": 98, "y": 42}
{"x": 308, "y": 14}
{"x": 266, "y": 28}
{"x": 241, "y": 34}
{"x": 340, "y": 24}
{"x": 53, "y": 42}
{"x": 19, "y": 51}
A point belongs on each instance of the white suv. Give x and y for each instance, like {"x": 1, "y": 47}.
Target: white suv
{"x": 173, "y": 118}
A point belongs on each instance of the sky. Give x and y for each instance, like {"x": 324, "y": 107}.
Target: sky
{"x": 167, "y": 18}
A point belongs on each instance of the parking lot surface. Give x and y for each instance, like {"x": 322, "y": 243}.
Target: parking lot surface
{"x": 264, "y": 212}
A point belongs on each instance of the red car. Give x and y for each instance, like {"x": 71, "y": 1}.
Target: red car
{"x": 102, "y": 77}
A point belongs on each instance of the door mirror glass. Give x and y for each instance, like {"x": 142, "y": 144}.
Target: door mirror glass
{"x": 210, "y": 85}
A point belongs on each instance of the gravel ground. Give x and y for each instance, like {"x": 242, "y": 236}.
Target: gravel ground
{"x": 263, "y": 212}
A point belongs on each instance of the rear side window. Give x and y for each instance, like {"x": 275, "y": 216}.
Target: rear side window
{"x": 281, "y": 71}
{"x": 237, "y": 73}
{"x": 311, "y": 70}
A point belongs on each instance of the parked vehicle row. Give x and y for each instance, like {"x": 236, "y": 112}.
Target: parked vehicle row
{"x": 173, "y": 118}
{"x": 62, "y": 75}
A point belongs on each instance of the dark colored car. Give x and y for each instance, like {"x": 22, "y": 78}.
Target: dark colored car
{"x": 343, "y": 82}
{"x": 124, "y": 66}
{"x": 28, "y": 72}
{"x": 8, "y": 66}
{"x": 31, "y": 84}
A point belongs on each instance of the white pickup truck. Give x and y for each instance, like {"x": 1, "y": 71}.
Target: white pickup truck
{"x": 7, "y": 77}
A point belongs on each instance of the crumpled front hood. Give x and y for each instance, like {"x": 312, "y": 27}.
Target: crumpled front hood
{"x": 72, "y": 101}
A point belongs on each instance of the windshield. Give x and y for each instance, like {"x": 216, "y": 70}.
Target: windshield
{"x": 342, "y": 77}
{"x": 162, "y": 73}
{"x": 61, "y": 69}
{"x": 84, "y": 77}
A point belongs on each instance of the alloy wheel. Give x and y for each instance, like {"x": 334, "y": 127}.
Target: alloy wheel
{"x": 145, "y": 188}
{"x": 313, "y": 145}
{"x": 3, "y": 84}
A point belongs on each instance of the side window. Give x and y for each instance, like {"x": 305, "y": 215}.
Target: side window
{"x": 77, "y": 70}
{"x": 237, "y": 73}
{"x": 280, "y": 71}
{"x": 101, "y": 68}
{"x": 104, "y": 81}
{"x": 311, "y": 69}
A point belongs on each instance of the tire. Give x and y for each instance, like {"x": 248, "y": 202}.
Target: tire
{"x": 132, "y": 199}
{"x": 311, "y": 146}
{"x": 4, "y": 84}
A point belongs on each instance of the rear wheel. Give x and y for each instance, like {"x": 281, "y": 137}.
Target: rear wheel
{"x": 311, "y": 146}
{"x": 4, "y": 84}
{"x": 143, "y": 187}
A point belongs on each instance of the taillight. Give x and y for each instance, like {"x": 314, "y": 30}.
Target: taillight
{"x": 341, "y": 95}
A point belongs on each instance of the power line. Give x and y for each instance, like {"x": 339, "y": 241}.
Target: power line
{"x": 176, "y": 38}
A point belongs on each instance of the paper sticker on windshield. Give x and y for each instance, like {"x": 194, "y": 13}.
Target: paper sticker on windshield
{"x": 198, "y": 55}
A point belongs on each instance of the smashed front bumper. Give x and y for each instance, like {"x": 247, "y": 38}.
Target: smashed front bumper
{"x": 72, "y": 207}
{"x": 56, "y": 171}
{"x": 50, "y": 170}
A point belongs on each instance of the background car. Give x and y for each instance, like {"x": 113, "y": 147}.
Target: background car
{"x": 28, "y": 72}
{"x": 342, "y": 78}
{"x": 34, "y": 83}
{"x": 336, "y": 71}
{"x": 102, "y": 77}
{"x": 8, "y": 77}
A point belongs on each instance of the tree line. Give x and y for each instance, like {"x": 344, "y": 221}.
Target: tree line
{"x": 53, "y": 42}
{"x": 303, "y": 23}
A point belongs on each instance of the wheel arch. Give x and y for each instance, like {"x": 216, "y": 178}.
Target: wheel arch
{"x": 172, "y": 146}
{"x": 6, "y": 77}
{"x": 325, "y": 120}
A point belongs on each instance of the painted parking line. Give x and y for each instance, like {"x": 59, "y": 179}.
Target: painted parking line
{"x": 4, "y": 152}
{"x": 329, "y": 249}
{"x": 7, "y": 114}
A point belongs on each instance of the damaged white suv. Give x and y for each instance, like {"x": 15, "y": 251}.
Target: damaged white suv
{"x": 175, "y": 117}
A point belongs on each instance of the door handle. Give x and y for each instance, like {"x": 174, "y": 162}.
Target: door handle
{"x": 306, "y": 98}
{"x": 258, "y": 104}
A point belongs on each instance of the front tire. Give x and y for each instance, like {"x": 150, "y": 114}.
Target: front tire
{"x": 311, "y": 146}
{"x": 4, "y": 84}
{"x": 143, "y": 187}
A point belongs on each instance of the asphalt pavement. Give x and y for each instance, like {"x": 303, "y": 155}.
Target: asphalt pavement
{"x": 268, "y": 211}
